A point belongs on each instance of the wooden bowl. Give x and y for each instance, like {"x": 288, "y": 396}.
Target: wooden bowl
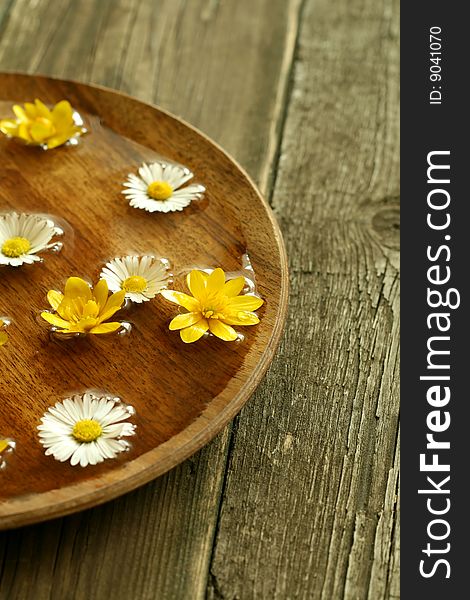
{"x": 183, "y": 394}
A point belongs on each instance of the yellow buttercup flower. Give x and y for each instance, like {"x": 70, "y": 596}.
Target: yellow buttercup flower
{"x": 215, "y": 305}
{"x": 37, "y": 125}
{"x": 83, "y": 310}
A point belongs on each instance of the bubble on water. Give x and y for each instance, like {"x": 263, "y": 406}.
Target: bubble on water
{"x": 9, "y": 448}
{"x": 57, "y": 247}
{"x": 240, "y": 338}
{"x": 125, "y": 329}
{"x": 247, "y": 272}
{"x": 127, "y": 304}
{"x": 60, "y": 335}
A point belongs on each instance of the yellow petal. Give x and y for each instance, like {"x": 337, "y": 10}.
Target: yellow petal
{"x": 41, "y": 131}
{"x": 58, "y": 140}
{"x": 113, "y": 304}
{"x": 100, "y": 293}
{"x": 30, "y": 110}
{"x": 193, "y": 333}
{"x": 105, "y": 328}
{"x": 234, "y": 286}
{"x": 222, "y": 331}
{"x": 197, "y": 283}
{"x": 245, "y": 303}
{"x": 85, "y": 324}
{"x": 9, "y": 126}
{"x": 216, "y": 281}
{"x": 65, "y": 309}
{"x": 54, "y": 298}
{"x": 64, "y": 136}
{"x": 182, "y": 299}
{"x": 3, "y": 338}
{"x": 185, "y": 320}
{"x": 20, "y": 113}
{"x": 23, "y": 132}
{"x": 241, "y": 317}
{"x": 71, "y": 309}
{"x": 77, "y": 288}
{"x": 55, "y": 320}
{"x": 203, "y": 274}
{"x": 62, "y": 115}
{"x": 42, "y": 110}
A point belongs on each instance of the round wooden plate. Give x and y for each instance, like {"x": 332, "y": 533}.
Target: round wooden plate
{"x": 183, "y": 394}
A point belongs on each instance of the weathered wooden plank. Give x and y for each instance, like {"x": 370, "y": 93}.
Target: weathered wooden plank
{"x": 310, "y": 503}
{"x": 5, "y": 7}
{"x": 153, "y": 543}
{"x": 224, "y": 66}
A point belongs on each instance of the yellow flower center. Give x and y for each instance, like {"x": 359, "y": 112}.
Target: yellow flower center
{"x": 15, "y": 247}
{"x": 210, "y": 313}
{"x": 84, "y": 323}
{"x": 44, "y": 121}
{"x": 159, "y": 190}
{"x": 136, "y": 284}
{"x": 87, "y": 430}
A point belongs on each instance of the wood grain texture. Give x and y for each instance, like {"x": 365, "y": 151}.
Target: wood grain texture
{"x": 226, "y": 73}
{"x": 182, "y": 394}
{"x": 310, "y": 503}
{"x": 222, "y": 66}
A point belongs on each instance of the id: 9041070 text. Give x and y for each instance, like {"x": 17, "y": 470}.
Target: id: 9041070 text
{"x": 435, "y": 70}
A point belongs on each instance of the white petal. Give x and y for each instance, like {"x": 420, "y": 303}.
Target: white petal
{"x": 176, "y": 175}
{"x": 105, "y": 449}
{"x": 157, "y": 172}
{"x": 146, "y": 173}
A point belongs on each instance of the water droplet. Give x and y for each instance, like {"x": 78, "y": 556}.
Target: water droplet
{"x": 57, "y": 247}
{"x": 127, "y": 305}
{"x": 77, "y": 118}
{"x": 126, "y": 328}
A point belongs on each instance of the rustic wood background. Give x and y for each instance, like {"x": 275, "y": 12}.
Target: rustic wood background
{"x": 298, "y": 497}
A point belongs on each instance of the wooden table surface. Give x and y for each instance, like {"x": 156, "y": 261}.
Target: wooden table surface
{"x": 297, "y": 498}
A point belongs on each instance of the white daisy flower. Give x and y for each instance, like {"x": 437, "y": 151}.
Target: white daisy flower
{"x": 141, "y": 277}
{"x": 159, "y": 188}
{"x": 86, "y": 429}
{"x": 23, "y": 236}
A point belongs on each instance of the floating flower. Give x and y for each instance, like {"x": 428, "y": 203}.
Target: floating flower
{"x": 86, "y": 429}
{"x": 215, "y": 305}
{"x": 159, "y": 188}
{"x": 23, "y": 236}
{"x": 83, "y": 310}
{"x": 3, "y": 334}
{"x": 37, "y": 125}
{"x": 140, "y": 277}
